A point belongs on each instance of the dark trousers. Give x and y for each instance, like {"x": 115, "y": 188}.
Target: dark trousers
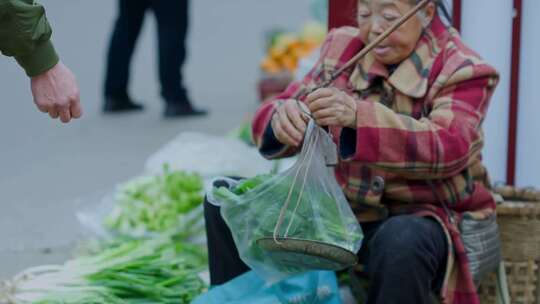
{"x": 405, "y": 257}
{"x": 172, "y": 26}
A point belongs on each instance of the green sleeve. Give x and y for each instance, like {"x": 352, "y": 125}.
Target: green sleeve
{"x": 25, "y": 35}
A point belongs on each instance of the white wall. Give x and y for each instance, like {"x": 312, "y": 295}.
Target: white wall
{"x": 487, "y": 29}
{"x": 528, "y": 148}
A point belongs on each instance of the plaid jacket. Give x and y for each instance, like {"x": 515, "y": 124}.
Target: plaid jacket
{"x": 419, "y": 122}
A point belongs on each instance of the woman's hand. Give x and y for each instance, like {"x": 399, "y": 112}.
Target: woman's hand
{"x": 332, "y": 107}
{"x": 289, "y": 122}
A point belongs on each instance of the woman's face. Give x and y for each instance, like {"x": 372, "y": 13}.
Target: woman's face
{"x": 375, "y": 16}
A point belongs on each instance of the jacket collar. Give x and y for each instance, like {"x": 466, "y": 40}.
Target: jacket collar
{"x": 410, "y": 77}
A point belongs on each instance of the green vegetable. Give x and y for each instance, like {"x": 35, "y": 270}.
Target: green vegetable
{"x": 249, "y": 184}
{"x": 163, "y": 270}
{"x": 155, "y": 204}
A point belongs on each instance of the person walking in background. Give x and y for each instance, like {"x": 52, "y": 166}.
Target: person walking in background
{"x": 172, "y": 25}
{"x": 25, "y": 35}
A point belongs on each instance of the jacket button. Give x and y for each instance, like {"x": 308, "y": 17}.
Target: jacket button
{"x": 377, "y": 184}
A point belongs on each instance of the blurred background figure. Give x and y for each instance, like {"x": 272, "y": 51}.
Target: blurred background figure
{"x": 172, "y": 26}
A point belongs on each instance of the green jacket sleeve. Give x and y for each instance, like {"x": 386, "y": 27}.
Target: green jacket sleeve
{"x": 25, "y": 35}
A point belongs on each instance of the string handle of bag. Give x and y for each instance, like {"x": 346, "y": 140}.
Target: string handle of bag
{"x": 304, "y": 162}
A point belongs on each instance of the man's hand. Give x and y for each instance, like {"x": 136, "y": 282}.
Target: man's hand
{"x": 289, "y": 122}
{"x": 332, "y": 107}
{"x": 56, "y": 92}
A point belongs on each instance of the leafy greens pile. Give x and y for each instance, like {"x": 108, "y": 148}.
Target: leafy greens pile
{"x": 155, "y": 204}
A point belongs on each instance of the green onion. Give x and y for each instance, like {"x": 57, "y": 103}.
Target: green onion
{"x": 162, "y": 270}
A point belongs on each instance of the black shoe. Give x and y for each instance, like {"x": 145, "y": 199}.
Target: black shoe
{"x": 116, "y": 105}
{"x": 183, "y": 110}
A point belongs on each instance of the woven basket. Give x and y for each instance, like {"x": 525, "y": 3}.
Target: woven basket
{"x": 519, "y": 224}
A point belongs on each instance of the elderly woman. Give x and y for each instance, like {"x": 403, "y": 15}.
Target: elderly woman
{"x": 407, "y": 121}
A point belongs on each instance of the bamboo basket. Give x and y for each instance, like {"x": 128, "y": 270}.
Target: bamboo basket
{"x": 519, "y": 224}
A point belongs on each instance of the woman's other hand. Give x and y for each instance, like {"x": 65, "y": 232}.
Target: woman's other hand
{"x": 289, "y": 122}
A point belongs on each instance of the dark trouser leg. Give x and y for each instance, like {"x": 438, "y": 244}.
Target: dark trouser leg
{"x": 224, "y": 262}
{"x": 172, "y": 24}
{"x": 406, "y": 260}
{"x": 125, "y": 34}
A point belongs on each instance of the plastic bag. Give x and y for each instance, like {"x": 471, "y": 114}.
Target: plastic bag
{"x": 189, "y": 152}
{"x": 209, "y": 156}
{"x": 316, "y": 287}
{"x": 295, "y": 221}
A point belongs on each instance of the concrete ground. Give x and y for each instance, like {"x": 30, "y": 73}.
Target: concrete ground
{"x": 48, "y": 171}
